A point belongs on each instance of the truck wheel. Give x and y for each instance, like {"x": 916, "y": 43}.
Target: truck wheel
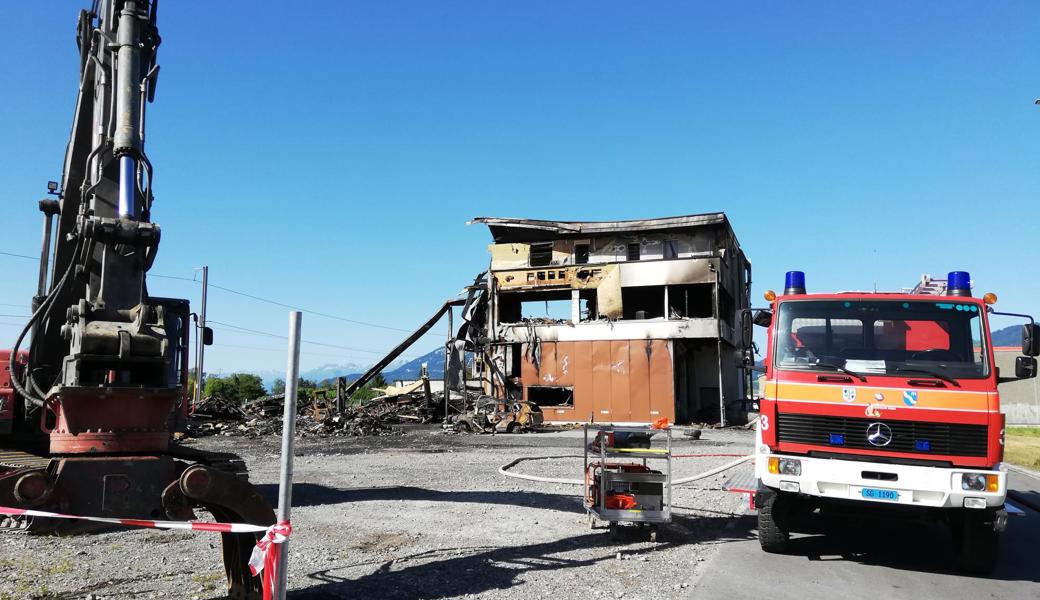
{"x": 978, "y": 543}
{"x": 773, "y": 531}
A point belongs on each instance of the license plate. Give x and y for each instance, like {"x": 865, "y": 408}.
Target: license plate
{"x": 878, "y": 494}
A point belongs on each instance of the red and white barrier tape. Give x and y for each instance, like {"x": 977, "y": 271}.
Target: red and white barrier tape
{"x": 264, "y": 557}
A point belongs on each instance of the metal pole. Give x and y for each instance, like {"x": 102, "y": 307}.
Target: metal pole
{"x": 200, "y": 347}
{"x": 448, "y": 348}
{"x": 49, "y": 209}
{"x": 718, "y": 348}
{"x": 292, "y": 377}
{"x": 45, "y": 251}
{"x": 127, "y": 137}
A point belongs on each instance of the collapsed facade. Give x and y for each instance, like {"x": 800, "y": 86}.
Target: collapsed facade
{"x": 623, "y": 321}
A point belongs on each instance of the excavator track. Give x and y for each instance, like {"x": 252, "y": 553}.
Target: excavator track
{"x": 16, "y": 460}
{"x": 215, "y": 481}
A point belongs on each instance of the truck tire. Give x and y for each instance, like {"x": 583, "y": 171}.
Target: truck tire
{"x": 978, "y": 543}
{"x": 774, "y": 534}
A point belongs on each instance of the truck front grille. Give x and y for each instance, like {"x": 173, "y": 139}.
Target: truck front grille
{"x": 918, "y": 437}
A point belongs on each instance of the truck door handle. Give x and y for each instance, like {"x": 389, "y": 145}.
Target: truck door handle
{"x": 834, "y": 378}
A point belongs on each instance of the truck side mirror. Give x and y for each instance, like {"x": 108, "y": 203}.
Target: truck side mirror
{"x": 207, "y": 336}
{"x": 1025, "y": 367}
{"x": 763, "y": 318}
{"x": 1031, "y": 339}
{"x": 746, "y": 333}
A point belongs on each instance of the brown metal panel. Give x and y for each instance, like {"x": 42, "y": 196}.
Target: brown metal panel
{"x": 547, "y": 371}
{"x": 601, "y": 380}
{"x": 563, "y": 415}
{"x": 639, "y": 380}
{"x": 620, "y": 404}
{"x": 528, "y": 376}
{"x": 580, "y": 367}
{"x": 565, "y": 363}
{"x": 662, "y": 381}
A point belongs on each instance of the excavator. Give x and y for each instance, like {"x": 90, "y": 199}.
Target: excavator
{"x": 88, "y": 410}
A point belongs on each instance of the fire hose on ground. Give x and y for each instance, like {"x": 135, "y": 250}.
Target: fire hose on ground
{"x": 504, "y": 469}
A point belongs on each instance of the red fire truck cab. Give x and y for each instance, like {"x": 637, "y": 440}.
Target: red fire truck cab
{"x": 884, "y": 402}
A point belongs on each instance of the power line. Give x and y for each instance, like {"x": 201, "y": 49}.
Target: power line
{"x": 253, "y": 297}
{"x": 284, "y": 305}
{"x": 16, "y": 316}
{"x": 20, "y": 255}
{"x": 282, "y": 350}
{"x": 240, "y": 329}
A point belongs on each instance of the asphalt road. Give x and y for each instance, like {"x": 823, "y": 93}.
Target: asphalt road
{"x": 842, "y": 560}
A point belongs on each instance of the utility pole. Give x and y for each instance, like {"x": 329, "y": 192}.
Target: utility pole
{"x": 200, "y": 334}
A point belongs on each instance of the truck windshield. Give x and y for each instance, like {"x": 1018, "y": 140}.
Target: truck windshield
{"x": 941, "y": 339}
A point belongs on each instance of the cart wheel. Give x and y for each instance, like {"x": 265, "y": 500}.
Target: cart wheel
{"x": 653, "y": 533}
{"x": 592, "y": 521}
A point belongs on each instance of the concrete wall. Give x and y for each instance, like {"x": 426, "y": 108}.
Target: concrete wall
{"x": 1019, "y": 400}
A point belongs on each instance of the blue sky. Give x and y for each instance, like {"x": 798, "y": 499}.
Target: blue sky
{"x": 329, "y": 156}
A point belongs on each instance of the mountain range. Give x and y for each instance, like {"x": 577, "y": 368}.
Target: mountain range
{"x": 1008, "y": 336}
{"x": 399, "y": 369}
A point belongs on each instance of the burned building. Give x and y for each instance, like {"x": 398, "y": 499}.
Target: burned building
{"x": 622, "y": 321}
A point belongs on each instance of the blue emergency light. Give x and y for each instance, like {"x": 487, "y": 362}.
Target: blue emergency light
{"x": 837, "y": 439}
{"x": 958, "y": 283}
{"x": 922, "y": 445}
{"x": 794, "y": 283}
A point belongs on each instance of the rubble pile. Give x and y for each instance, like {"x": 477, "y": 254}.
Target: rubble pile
{"x": 383, "y": 415}
{"x": 263, "y": 416}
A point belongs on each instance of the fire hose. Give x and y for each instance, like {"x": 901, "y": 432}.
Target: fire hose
{"x": 505, "y": 469}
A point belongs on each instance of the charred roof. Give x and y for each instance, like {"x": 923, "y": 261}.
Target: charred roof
{"x": 507, "y": 230}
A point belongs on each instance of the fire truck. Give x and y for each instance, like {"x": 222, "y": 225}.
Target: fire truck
{"x": 885, "y": 404}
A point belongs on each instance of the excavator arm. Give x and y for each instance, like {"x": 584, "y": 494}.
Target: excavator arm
{"x": 105, "y": 377}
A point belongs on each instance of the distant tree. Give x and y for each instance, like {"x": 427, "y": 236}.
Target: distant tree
{"x": 237, "y": 387}
{"x": 278, "y": 387}
{"x": 378, "y": 381}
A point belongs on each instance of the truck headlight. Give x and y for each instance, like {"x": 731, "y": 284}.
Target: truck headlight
{"x": 978, "y": 482}
{"x": 785, "y": 466}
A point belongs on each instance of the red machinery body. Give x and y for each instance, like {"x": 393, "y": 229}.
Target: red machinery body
{"x": 7, "y": 391}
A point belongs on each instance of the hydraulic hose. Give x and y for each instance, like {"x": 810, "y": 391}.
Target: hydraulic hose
{"x": 43, "y": 309}
{"x": 504, "y": 469}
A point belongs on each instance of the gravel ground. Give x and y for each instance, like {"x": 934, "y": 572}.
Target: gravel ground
{"x": 421, "y": 515}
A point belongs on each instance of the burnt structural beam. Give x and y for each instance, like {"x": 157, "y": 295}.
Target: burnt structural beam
{"x": 400, "y": 348}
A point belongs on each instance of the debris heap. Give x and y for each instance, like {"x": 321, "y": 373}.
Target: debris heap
{"x": 263, "y": 416}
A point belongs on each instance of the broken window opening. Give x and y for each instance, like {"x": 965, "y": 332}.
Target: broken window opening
{"x": 692, "y": 301}
{"x": 644, "y": 302}
{"x": 514, "y": 353}
{"x": 587, "y": 306}
{"x": 541, "y": 254}
{"x": 548, "y": 305}
{"x": 546, "y": 396}
{"x": 581, "y": 254}
{"x": 633, "y": 251}
{"x": 670, "y": 249}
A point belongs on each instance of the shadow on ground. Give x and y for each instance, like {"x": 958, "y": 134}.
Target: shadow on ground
{"x": 457, "y": 572}
{"x": 913, "y": 546}
{"x": 312, "y": 494}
